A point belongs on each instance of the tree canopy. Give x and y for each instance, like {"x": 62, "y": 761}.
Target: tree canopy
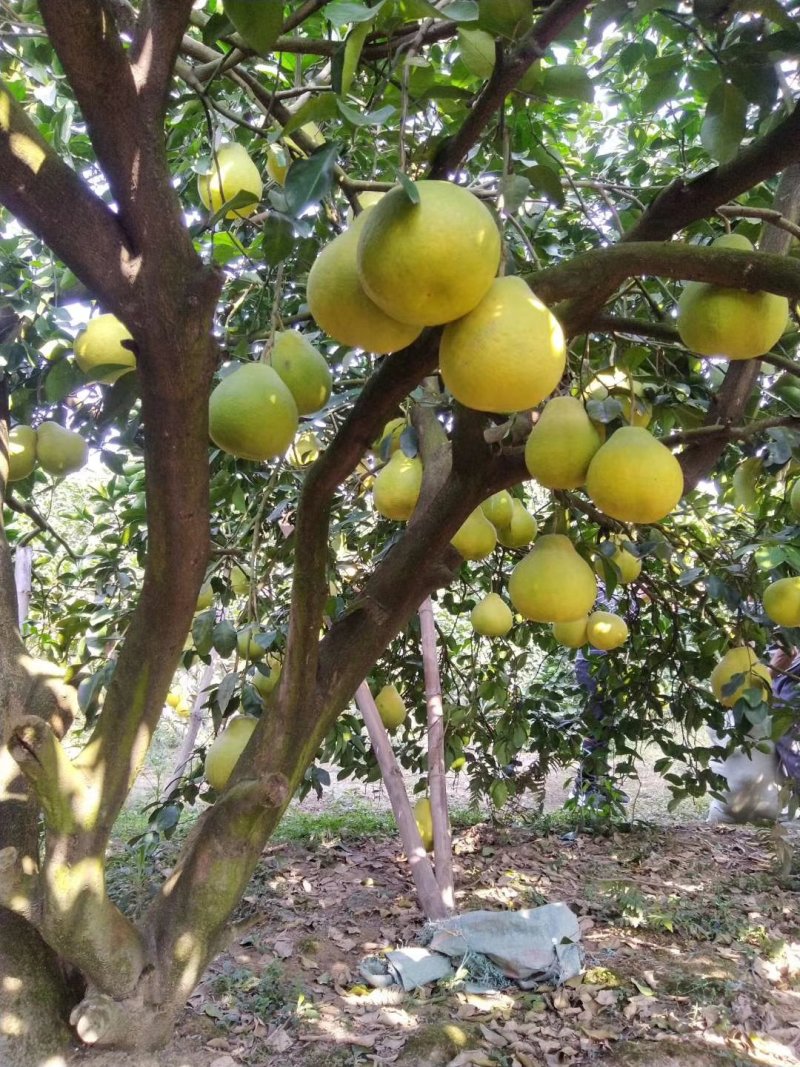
{"x": 613, "y": 142}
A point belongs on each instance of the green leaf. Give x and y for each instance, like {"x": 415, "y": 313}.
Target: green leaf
{"x": 340, "y": 13}
{"x": 202, "y": 632}
{"x": 61, "y": 380}
{"x": 369, "y": 118}
{"x": 259, "y": 22}
{"x": 409, "y": 188}
{"x": 310, "y": 179}
{"x": 515, "y": 189}
{"x": 477, "y": 51}
{"x": 768, "y": 557}
{"x": 224, "y": 638}
{"x": 227, "y": 687}
{"x": 461, "y": 11}
{"x": 724, "y": 124}
{"x": 545, "y": 181}
{"x": 278, "y": 240}
{"x": 567, "y": 83}
{"x": 505, "y": 18}
{"x": 352, "y": 54}
{"x": 319, "y": 109}
{"x": 659, "y": 89}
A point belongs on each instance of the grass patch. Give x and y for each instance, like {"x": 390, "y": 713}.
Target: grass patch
{"x": 352, "y": 819}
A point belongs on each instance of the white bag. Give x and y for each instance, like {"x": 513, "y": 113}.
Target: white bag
{"x": 754, "y": 780}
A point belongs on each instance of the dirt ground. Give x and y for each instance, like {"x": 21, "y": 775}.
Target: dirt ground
{"x": 691, "y": 935}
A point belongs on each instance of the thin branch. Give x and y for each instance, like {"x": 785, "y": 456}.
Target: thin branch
{"x": 23, "y": 507}
{"x": 784, "y": 362}
{"x": 504, "y": 78}
{"x": 732, "y": 433}
{"x": 658, "y": 331}
{"x": 765, "y": 214}
{"x": 687, "y": 200}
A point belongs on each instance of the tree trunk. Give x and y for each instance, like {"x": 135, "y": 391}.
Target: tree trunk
{"x": 34, "y": 997}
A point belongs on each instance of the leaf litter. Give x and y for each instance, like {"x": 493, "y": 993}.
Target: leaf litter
{"x": 692, "y": 957}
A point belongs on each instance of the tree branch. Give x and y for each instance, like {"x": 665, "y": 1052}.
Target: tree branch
{"x": 504, "y": 78}
{"x": 49, "y": 198}
{"x": 686, "y": 201}
{"x": 731, "y": 433}
{"x": 676, "y": 260}
{"x": 123, "y": 107}
{"x": 159, "y": 32}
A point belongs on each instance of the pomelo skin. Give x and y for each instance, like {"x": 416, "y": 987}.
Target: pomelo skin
{"x": 431, "y": 262}
{"x": 507, "y": 354}
{"x": 782, "y": 601}
{"x": 252, "y": 414}
{"x": 339, "y": 305}
{"x": 717, "y": 321}
{"x": 633, "y": 477}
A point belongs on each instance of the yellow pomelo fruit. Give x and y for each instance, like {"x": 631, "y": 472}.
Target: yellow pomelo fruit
{"x": 205, "y": 598}
{"x": 182, "y": 710}
{"x": 743, "y": 661}
{"x": 305, "y": 448}
{"x": 302, "y": 369}
{"x": 267, "y": 683}
{"x": 521, "y": 530}
{"x": 232, "y": 171}
{"x": 395, "y": 491}
{"x": 252, "y": 414}
{"x": 507, "y": 354}
{"x": 224, "y": 752}
{"x": 476, "y": 537}
{"x": 174, "y": 698}
{"x": 552, "y": 583}
{"x": 716, "y": 321}
{"x": 794, "y": 498}
{"x": 21, "y": 452}
{"x": 615, "y": 382}
{"x": 247, "y": 646}
{"x": 99, "y": 344}
{"x": 745, "y": 483}
{"x": 628, "y": 565}
{"x": 571, "y": 634}
{"x": 391, "y": 707}
{"x": 499, "y": 508}
{"x": 240, "y": 581}
{"x": 278, "y": 161}
{"x": 492, "y": 616}
{"x": 370, "y": 197}
{"x": 60, "y": 451}
{"x": 642, "y": 411}
{"x": 606, "y": 630}
{"x": 431, "y": 262}
{"x": 561, "y": 444}
{"x": 424, "y": 820}
{"x": 340, "y": 306}
{"x": 392, "y": 431}
{"x": 634, "y": 478}
{"x": 782, "y": 601}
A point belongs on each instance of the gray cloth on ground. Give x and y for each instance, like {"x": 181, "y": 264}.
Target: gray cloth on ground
{"x": 534, "y": 944}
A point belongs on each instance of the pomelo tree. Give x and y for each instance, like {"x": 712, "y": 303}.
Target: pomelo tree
{"x": 598, "y": 134}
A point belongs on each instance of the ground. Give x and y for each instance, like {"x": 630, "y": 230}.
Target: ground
{"x": 691, "y": 933}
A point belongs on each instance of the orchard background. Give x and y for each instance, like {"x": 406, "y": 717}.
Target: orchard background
{"x": 613, "y": 141}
